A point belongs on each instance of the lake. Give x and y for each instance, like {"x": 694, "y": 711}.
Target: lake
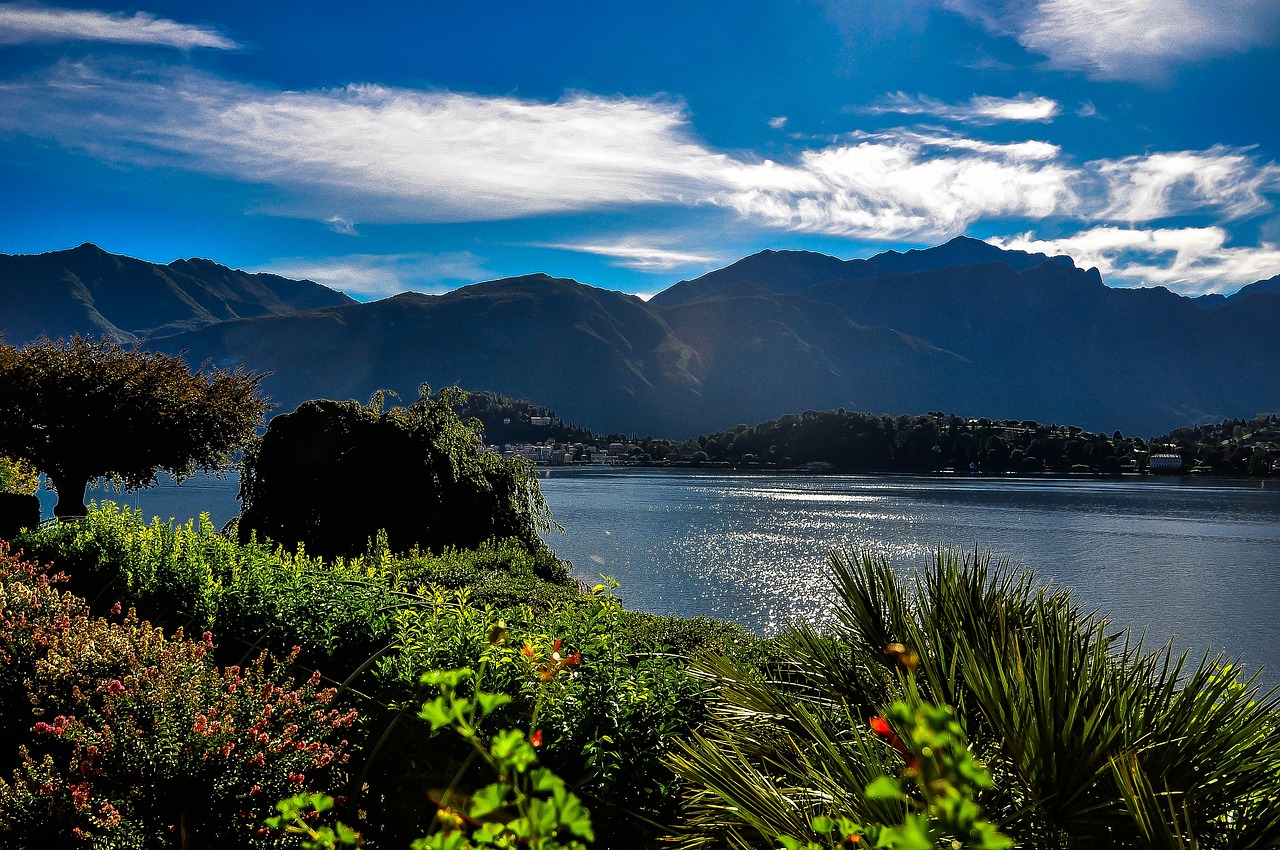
{"x": 1192, "y": 559}
{"x": 1195, "y": 560}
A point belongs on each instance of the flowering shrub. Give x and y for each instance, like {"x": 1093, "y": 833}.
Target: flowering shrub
{"x": 138, "y": 738}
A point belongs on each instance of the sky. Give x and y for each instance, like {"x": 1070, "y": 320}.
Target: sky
{"x": 385, "y": 147}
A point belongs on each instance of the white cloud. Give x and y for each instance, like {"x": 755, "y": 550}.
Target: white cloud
{"x": 980, "y": 109}
{"x": 1086, "y": 110}
{"x": 391, "y": 155}
{"x": 634, "y": 254}
{"x": 1128, "y": 39}
{"x": 27, "y": 23}
{"x": 778, "y": 122}
{"x": 342, "y": 225}
{"x": 1228, "y": 181}
{"x": 371, "y": 276}
{"x": 910, "y": 185}
{"x": 1189, "y": 260}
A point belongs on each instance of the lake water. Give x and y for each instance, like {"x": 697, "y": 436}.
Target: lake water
{"x": 1195, "y": 560}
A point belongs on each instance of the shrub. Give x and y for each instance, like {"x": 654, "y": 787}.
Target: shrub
{"x": 138, "y": 737}
{"x": 331, "y": 475}
{"x": 1091, "y": 740}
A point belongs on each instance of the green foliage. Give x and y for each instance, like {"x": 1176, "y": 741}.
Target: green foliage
{"x": 18, "y": 476}
{"x": 606, "y": 723}
{"x": 138, "y": 735}
{"x": 1090, "y": 740}
{"x": 78, "y": 410}
{"x": 382, "y": 621}
{"x": 332, "y": 475}
{"x": 295, "y": 818}
{"x": 864, "y": 442}
{"x": 526, "y": 805}
{"x": 508, "y": 420}
{"x": 936, "y": 789}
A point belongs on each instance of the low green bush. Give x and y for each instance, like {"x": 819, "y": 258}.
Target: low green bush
{"x": 380, "y": 621}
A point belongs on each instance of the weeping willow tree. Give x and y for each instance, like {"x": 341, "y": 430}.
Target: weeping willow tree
{"x": 332, "y": 475}
{"x": 1091, "y": 739}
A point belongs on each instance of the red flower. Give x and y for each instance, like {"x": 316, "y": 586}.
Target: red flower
{"x": 881, "y": 727}
{"x": 536, "y": 738}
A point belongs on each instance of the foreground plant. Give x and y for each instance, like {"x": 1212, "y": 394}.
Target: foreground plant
{"x": 138, "y": 738}
{"x": 525, "y": 805}
{"x": 1090, "y": 740}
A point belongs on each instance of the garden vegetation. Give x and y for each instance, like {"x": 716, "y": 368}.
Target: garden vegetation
{"x": 177, "y": 686}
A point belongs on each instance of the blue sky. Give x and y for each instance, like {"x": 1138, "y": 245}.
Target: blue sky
{"x": 383, "y": 147}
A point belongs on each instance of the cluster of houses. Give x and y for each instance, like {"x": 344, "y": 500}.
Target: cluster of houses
{"x": 552, "y": 453}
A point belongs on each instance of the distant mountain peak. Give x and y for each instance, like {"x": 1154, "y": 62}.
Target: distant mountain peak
{"x": 963, "y": 251}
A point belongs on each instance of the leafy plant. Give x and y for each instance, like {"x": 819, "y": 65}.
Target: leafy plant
{"x": 18, "y": 476}
{"x": 138, "y": 737}
{"x": 1090, "y": 740}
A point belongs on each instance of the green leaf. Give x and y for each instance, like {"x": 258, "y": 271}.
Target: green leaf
{"x": 488, "y": 799}
{"x": 884, "y": 788}
{"x": 438, "y": 713}
{"x": 447, "y": 678}
{"x": 490, "y": 702}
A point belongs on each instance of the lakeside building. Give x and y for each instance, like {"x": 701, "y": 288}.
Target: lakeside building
{"x": 1165, "y": 463}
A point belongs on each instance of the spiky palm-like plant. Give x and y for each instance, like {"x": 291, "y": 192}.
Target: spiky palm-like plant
{"x": 1092, "y": 740}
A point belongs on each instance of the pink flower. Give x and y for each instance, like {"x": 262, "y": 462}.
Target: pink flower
{"x": 115, "y": 686}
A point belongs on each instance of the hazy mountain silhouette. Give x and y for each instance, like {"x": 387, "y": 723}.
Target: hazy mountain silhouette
{"x": 963, "y": 327}
{"x": 88, "y": 291}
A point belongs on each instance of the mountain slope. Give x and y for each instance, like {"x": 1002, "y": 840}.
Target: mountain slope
{"x": 88, "y": 291}
{"x": 1025, "y": 337}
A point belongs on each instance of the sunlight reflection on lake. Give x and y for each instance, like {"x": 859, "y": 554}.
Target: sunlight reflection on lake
{"x": 1192, "y": 560}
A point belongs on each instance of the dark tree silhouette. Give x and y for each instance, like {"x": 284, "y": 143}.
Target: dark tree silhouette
{"x": 331, "y": 475}
{"x": 79, "y": 409}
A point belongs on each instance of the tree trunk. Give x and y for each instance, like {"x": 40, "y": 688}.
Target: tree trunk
{"x": 71, "y": 490}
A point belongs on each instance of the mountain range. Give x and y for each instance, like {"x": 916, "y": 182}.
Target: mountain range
{"x": 964, "y": 327}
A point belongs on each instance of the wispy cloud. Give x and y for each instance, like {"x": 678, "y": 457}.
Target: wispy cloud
{"x": 389, "y": 154}
{"x": 637, "y": 255}
{"x": 1128, "y": 39}
{"x": 392, "y": 155}
{"x": 22, "y": 23}
{"x": 372, "y": 276}
{"x": 342, "y": 225}
{"x": 980, "y": 109}
{"x": 778, "y": 122}
{"x": 1190, "y": 260}
{"x": 1224, "y": 180}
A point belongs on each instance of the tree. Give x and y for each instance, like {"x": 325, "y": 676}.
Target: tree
{"x": 332, "y": 475}
{"x": 78, "y": 410}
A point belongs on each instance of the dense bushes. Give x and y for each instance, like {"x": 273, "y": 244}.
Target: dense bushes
{"x": 382, "y": 621}
{"x": 119, "y": 735}
{"x": 1088, "y": 741}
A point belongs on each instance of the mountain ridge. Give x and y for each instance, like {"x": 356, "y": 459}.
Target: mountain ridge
{"x": 1026, "y": 336}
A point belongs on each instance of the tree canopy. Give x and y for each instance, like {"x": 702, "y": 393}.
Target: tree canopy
{"x": 331, "y": 475}
{"x": 78, "y": 410}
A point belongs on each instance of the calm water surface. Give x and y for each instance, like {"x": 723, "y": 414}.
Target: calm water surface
{"x": 1193, "y": 560}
